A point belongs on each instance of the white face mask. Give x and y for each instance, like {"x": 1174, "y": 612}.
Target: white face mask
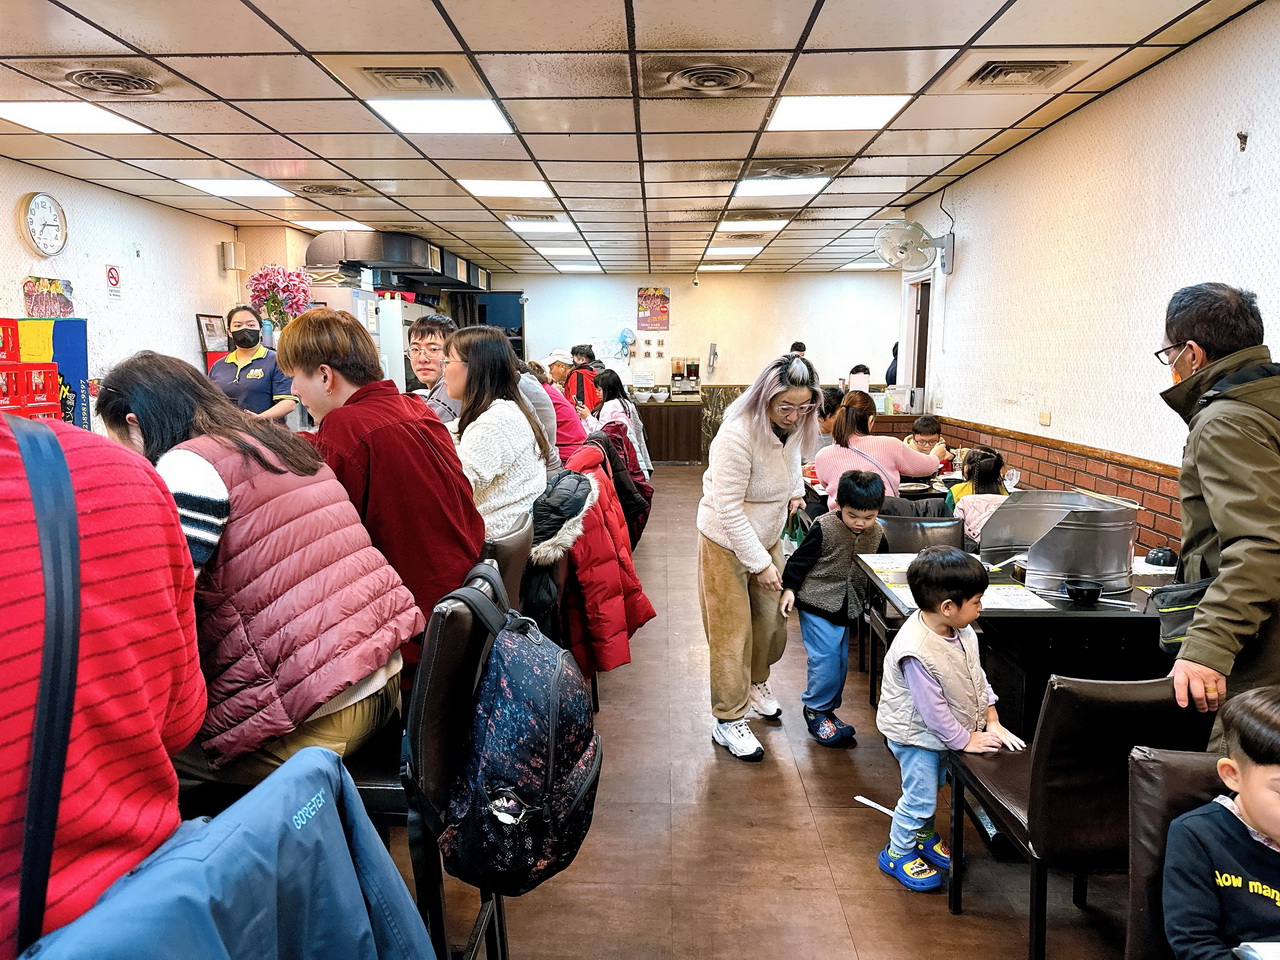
{"x": 1177, "y": 377}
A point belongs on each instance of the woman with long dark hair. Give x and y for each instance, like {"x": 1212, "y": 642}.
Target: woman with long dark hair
{"x": 500, "y": 442}
{"x": 300, "y": 619}
{"x": 616, "y": 405}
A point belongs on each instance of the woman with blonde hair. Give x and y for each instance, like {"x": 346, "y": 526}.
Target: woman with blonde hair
{"x": 752, "y": 484}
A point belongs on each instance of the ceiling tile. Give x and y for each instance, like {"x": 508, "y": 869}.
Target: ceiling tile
{"x": 872, "y": 23}
{"x": 392, "y": 169}
{"x": 190, "y": 117}
{"x": 696, "y": 146}
{"x": 1123, "y": 67}
{"x": 292, "y": 205}
{"x": 1201, "y": 19}
{"x": 100, "y": 169}
{"x": 719, "y": 24}
{"x": 55, "y": 72}
{"x": 463, "y": 216}
{"x": 934, "y": 183}
{"x": 418, "y": 188}
{"x": 258, "y": 78}
{"x": 583, "y": 147}
{"x": 222, "y": 26}
{"x": 602, "y": 188}
{"x": 603, "y": 170}
{"x": 702, "y": 115}
{"x": 296, "y": 169}
{"x": 739, "y": 204}
{"x": 684, "y": 216}
{"x": 470, "y": 146}
{"x": 441, "y": 203}
{"x": 966, "y": 164}
{"x": 558, "y": 75}
{"x": 362, "y": 146}
{"x": 880, "y": 72}
{"x": 572, "y": 116}
{"x": 37, "y": 28}
{"x": 150, "y": 188}
{"x": 693, "y": 170}
{"x": 686, "y": 203}
{"x": 15, "y": 85}
{"x": 1057, "y": 108}
{"x": 393, "y": 216}
{"x": 190, "y": 169}
{"x": 899, "y": 166}
{"x": 601, "y": 203}
{"x": 691, "y": 188}
{"x": 200, "y": 204}
{"x": 491, "y": 169}
{"x": 596, "y": 232}
{"x": 1082, "y": 21}
{"x": 869, "y": 184}
{"x": 249, "y": 217}
{"x": 35, "y": 147}
{"x": 327, "y": 25}
{"x": 968, "y": 110}
{"x": 898, "y": 142}
{"x": 835, "y": 143}
{"x": 316, "y": 116}
{"x": 612, "y": 216}
{"x": 247, "y": 146}
{"x": 524, "y": 204}
{"x": 518, "y": 25}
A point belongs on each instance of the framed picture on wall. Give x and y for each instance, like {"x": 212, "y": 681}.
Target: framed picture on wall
{"x": 213, "y": 333}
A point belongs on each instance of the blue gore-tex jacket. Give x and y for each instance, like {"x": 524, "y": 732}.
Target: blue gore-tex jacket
{"x": 293, "y": 871}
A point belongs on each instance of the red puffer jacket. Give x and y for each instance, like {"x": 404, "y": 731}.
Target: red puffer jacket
{"x": 604, "y": 603}
{"x": 294, "y": 607}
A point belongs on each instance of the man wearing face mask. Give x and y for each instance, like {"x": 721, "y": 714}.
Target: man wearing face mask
{"x": 1228, "y": 391}
{"x": 249, "y": 375}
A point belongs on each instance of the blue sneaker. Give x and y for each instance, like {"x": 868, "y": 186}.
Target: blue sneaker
{"x": 911, "y": 871}
{"x": 936, "y": 851}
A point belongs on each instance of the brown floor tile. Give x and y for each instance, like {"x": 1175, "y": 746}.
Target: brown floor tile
{"x": 760, "y": 920}
{"x": 749, "y": 843}
{"x": 600, "y": 921}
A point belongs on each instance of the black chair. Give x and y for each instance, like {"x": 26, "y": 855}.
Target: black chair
{"x": 1163, "y": 785}
{"x": 511, "y": 552}
{"x": 913, "y": 534}
{"x": 1064, "y": 801}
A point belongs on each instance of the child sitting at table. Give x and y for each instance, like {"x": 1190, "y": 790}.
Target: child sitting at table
{"x": 926, "y": 437}
{"x": 983, "y": 471}
{"x": 1222, "y": 861}
{"x": 823, "y": 582}
{"x": 935, "y": 697}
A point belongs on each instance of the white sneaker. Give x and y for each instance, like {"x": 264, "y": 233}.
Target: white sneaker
{"x": 763, "y": 702}
{"x": 737, "y": 737}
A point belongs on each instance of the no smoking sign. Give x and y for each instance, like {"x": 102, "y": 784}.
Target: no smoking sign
{"x": 113, "y": 283}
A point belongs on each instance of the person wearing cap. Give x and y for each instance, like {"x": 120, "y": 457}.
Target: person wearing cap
{"x": 558, "y": 363}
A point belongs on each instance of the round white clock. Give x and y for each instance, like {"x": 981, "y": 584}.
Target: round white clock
{"x": 46, "y": 224}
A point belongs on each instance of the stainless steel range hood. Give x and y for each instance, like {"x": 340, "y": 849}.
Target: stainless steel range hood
{"x": 397, "y": 254}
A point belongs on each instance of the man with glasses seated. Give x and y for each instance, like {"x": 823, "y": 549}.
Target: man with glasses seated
{"x": 1228, "y": 390}
{"x": 426, "y": 351}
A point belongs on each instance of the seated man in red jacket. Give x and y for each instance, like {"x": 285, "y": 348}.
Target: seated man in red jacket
{"x": 390, "y": 451}
{"x": 140, "y": 696}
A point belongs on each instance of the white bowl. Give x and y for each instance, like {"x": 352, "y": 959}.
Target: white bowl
{"x": 644, "y": 396}
{"x": 660, "y": 396}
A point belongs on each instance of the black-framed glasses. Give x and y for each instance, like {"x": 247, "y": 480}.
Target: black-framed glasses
{"x": 1163, "y": 353}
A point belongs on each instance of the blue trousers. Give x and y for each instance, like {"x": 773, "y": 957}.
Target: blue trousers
{"x": 923, "y": 773}
{"x": 827, "y": 647}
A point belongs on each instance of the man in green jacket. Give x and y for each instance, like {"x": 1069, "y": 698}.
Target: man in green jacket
{"x": 1228, "y": 391}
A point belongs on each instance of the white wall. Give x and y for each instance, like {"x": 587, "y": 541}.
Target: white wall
{"x": 843, "y": 319}
{"x": 1069, "y": 247}
{"x": 168, "y": 260}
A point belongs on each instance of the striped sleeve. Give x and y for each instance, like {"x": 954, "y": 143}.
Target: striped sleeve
{"x": 202, "y": 499}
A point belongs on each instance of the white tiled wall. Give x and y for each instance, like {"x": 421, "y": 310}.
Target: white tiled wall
{"x": 843, "y": 319}
{"x": 169, "y": 265}
{"x": 1068, "y": 248}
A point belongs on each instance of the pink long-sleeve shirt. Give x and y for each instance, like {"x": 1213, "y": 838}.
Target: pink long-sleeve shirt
{"x": 892, "y": 458}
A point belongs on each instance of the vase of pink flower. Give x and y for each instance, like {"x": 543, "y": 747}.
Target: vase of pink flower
{"x": 280, "y": 294}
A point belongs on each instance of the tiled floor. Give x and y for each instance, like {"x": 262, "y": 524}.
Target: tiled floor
{"x": 696, "y": 856}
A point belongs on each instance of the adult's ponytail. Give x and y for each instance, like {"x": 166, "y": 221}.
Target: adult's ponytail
{"x": 853, "y": 419}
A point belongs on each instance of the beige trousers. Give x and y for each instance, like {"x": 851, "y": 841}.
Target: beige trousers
{"x": 746, "y": 632}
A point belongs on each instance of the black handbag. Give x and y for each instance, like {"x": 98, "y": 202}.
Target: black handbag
{"x": 59, "y": 533}
{"x": 1177, "y": 604}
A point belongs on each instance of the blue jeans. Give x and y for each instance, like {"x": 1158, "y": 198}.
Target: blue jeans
{"x": 923, "y": 773}
{"x": 827, "y": 646}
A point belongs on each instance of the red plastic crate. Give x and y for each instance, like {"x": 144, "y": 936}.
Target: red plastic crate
{"x": 12, "y": 391}
{"x": 9, "y": 352}
{"x": 41, "y": 411}
{"x": 40, "y": 383}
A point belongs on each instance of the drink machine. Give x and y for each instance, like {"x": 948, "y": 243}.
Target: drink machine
{"x": 685, "y": 378}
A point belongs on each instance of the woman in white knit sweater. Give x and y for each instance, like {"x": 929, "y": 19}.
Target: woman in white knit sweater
{"x": 500, "y": 442}
{"x": 751, "y": 486}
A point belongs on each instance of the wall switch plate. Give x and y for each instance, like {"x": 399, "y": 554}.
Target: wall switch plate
{"x": 937, "y": 403}
{"x": 1046, "y": 418}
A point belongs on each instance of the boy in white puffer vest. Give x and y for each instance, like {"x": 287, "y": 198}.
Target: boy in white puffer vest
{"x": 935, "y": 697}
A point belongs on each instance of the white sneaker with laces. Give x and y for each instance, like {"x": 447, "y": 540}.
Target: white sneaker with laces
{"x": 737, "y": 738}
{"x": 761, "y": 700}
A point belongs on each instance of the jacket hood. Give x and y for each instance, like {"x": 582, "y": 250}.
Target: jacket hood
{"x": 558, "y": 516}
{"x": 1248, "y": 376}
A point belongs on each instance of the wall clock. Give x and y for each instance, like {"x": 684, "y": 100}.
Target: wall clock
{"x": 45, "y": 223}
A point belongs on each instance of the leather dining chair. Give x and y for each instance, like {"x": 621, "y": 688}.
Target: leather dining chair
{"x": 1163, "y": 785}
{"x": 913, "y": 534}
{"x": 511, "y": 552}
{"x": 1064, "y": 801}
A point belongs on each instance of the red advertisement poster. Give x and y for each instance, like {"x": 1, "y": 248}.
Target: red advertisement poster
{"x": 653, "y": 308}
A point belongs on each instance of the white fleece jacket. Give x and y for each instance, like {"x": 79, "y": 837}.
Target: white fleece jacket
{"x": 500, "y": 457}
{"x": 746, "y": 490}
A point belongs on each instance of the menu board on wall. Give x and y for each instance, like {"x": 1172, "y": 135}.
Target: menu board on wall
{"x": 653, "y": 308}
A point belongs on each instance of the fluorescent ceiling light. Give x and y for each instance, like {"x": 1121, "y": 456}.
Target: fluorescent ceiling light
{"x": 506, "y": 188}
{"x": 442, "y": 116}
{"x": 865, "y": 265}
{"x": 541, "y": 226}
{"x": 733, "y": 251}
{"x": 780, "y": 186}
{"x": 751, "y": 226}
{"x": 577, "y": 267}
{"x": 836, "y": 113}
{"x": 66, "y": 117}
{"x": 722, "y": 266}
{"x": 331, "y": 225}
{"x": 238, "y": 187}
{"x": 564, "y": 251}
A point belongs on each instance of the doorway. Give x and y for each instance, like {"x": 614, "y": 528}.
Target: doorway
{"x": 924, "y": 292}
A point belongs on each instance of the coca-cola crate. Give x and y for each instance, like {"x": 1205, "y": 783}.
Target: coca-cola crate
{"x": 9, "y": 352}
{"x": 12, "y": 390}
{"x": 41, "y": 411}
{"x": 40, "y": 382}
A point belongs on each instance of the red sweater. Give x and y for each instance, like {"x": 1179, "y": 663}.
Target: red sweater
{"x": 140, "y": 696}
{"x": 401, "y": 470}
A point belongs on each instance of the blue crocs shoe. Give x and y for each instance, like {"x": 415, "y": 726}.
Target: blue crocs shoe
{"x": 911, "y": 871}
{"x": 828, "y": 729}
{"x": 935, "y": 851}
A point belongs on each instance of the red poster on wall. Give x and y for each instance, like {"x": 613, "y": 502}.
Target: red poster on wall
{"x": 653, "y": 308}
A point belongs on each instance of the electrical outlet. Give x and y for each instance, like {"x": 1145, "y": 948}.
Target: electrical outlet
{"x": 937, "y": 403}
{"x": 1046, "y": 418}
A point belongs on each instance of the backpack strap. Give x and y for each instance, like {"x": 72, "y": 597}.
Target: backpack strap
{"x": 55, "y": 509}
{"x": 482, "y": 607}
{"x": 488, "y": 571}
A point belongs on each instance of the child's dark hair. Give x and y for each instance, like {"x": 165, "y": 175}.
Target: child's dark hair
{"x": 938, "y": 574}
{"x": 983, "y": 466}
{"x": 831, "y": 397}
{"x": 860, "y": 490}
{"x": 1251, "y": 725}
{"x": 926, "y": 425}
{"x": 860, "y": 368}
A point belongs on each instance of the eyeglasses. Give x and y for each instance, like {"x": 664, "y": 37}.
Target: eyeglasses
{"x": 1163, "y": 353}
{"x": 786, "y": 409}
{"x": 444, "y": 364}
{"x": 419, "y": 350}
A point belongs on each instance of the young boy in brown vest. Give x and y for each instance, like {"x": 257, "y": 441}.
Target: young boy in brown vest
{"x": 824, "y": 584}
{"x": 935, "y": 697}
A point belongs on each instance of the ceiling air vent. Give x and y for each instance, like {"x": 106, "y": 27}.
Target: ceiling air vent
{"x": 326, "y": 189}
{"x": 113, "y": 81}
{"x": 746, "y": 236}
{"x": 412, "y": 78}
{"x": 791, "y": 170}
{"x": 692, "y": 74}
{"x": 710, "y": 78}
{"x": 531, "y": 217}
{"x": 1020, "y": 74}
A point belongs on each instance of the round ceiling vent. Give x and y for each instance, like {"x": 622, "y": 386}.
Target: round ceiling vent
{"x": 113, "y": 81}
{"x": 326, "y": 189}
{"x": 793, "y": 170}
{"x": 711, "y": 78}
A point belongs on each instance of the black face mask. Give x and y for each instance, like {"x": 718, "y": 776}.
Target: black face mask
{"x": 246, "y": 338}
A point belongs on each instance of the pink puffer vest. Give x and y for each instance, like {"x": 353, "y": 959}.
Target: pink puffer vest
{"x": 294, "y": 607}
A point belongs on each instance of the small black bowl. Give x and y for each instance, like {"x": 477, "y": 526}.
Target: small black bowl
{"x": 1083, "y": 591}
